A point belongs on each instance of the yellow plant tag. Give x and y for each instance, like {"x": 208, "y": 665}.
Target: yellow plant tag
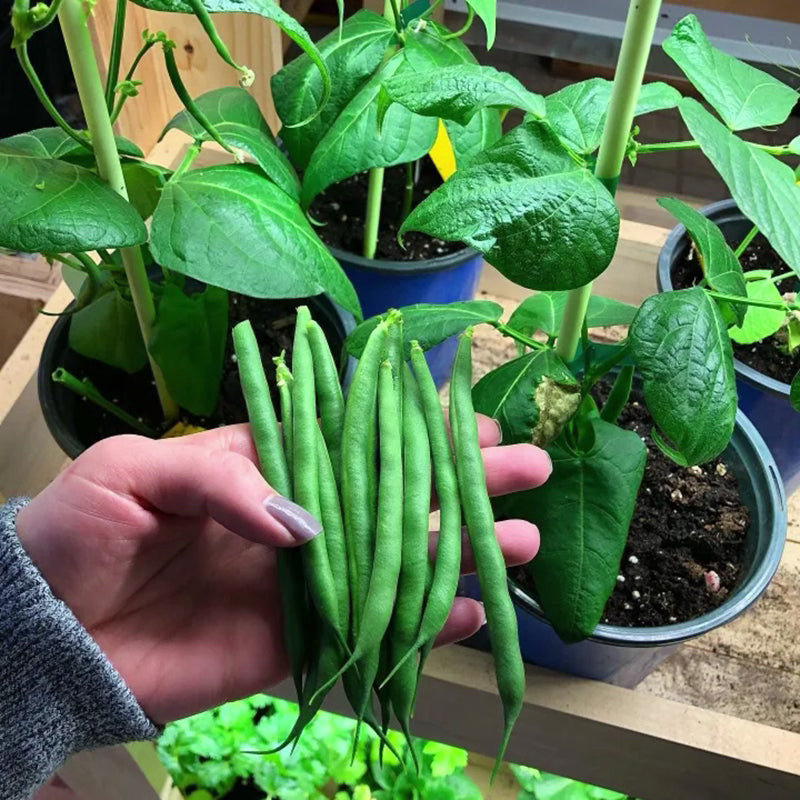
{"x": 181, "y": 429}
{"x": 442, "y": 155}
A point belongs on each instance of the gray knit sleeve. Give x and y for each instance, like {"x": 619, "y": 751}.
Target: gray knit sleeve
{"x": 58, "y": 692}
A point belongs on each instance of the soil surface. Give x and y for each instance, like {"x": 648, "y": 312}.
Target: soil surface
{"x": 688, "y": 524}
{"x": 273, "y": 323}
{"x": 765, "y": 356}
{"x": 341, "y": 208}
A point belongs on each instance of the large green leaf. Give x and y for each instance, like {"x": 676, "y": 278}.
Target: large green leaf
{"x": 682, "y": 350}
{"x": 459, "y": 92}
{"x": 541, "y": 219}
{"x": 544, "y": 311}
{"x": 188, "y": 343}
{"x": 143, "y": 182}
{"x": 51, "y": 206}
{"x": 354, "y": 143}
{"x": 56, "y": 143}
{"x": 230, "y": 226}
{"x": 427, "y": 51}
{"x": 352, "y": 54}
{"x": 759, "y": 322}
{"x": 228, "y": 104}
{"x": 720, "y": 265}
{"x": 264, "y": 8}
{"x": 487, "y": 11}
{"x": 532, "y": 397}
{"x": 745, "y": 97}
{"x": 429, "y": 323}
{"x": 764, "y": 189}
{"x": 583, "y": 512}
{"x": 577, "y": 112}
{"x": 107, "y": 330}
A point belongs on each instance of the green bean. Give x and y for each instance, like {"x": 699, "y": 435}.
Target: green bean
{"x": 329, "y": 396}
{"x": 491, "y": 567}
{"x": 413, "y": 572}
{"x": 447, "y": 566}
{"x": 268, "y": 440}
{"x": 284, "y": 380}
{"x": 319, "y": 577}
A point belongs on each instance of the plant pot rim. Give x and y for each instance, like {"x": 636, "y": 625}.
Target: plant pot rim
{"x": 740, "y": 599}
{"x": 664, "y": 279}
{"x": 392, "y": 267}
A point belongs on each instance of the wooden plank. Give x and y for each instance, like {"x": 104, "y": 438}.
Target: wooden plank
{"x": 782, "y": 10}
{"x": 105, "y": 773}
{"x": 28, "y": 276}
{"x": 252, "y": 40}
{"x": 16, "y": 316}
{"x": 623, "y": 739}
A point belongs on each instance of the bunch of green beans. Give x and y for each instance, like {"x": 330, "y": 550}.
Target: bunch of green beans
{"x": 362, "y": 601}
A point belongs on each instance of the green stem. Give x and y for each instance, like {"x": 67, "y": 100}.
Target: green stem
{"x": 75, "y": 28}
{"x": 659, "y": 147}
{"x": 636, "y": 41}
{"x": 408, "y": 197}
{"x": 604, "y": 367}
{"x": 429, "y": 11}
{"x": 464, "y": 28}
{"x": 115, "y": 55}
{"x": 52, "y": 13}
{"x": 41, "y": 95}
{"x": 204, "y": 18}
{"x": 398, "y": 21}
{"x": 85, "y": 388}
{"x": 745, "y": 243}
{"x": 188, "y": 159}
{"x": 753, "y": 301}
{"x": 373, "y": 220}
{"x": 123, "y": 97}
{"x": 517, "y": 336}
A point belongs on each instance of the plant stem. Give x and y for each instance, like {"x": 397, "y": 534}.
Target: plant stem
{"x": 85, "y": 388}
{"x": 636, "y": 41}
{"x": 47, "y": 103}
{"x": 464, "y": 28}
{"x": 519, "y": 337}
{"x": 753, "y": 301}
{"x": 659, "y": 147}
{"x": 116, "y": 53}
{"x": 745, "y": 243}
{"x": 74, "y": 26}
{"x": 408, "y": 197}
{"x": 150, "y": 43}
{"x": 188, "y": 159}
{"x": 373, "y": 220}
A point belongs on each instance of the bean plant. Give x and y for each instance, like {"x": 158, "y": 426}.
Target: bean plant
{"x": 81, "y": 198}
{"x": 539, "y": 204}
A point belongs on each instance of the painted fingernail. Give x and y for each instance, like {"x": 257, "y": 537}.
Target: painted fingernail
{"x": 499, "y": 431}
{"x": 300, "y": 524}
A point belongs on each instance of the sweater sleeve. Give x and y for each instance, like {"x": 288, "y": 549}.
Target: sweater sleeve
{"x": 58, "y": 692}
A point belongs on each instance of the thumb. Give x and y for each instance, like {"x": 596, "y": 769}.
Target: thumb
{"x": 194, "y": 481}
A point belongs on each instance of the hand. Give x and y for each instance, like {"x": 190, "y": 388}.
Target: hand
{"x": 164, "y": 550}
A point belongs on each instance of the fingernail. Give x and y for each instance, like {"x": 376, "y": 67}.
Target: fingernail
{"x": 300, "y": 524}
{"x": 499, "y": 431}
{"x": 549, "y": 459}
{"x": 485, "y": 620}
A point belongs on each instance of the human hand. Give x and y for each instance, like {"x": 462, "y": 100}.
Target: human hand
{"x": 165, "y": 552}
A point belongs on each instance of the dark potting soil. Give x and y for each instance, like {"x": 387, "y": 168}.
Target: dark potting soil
{"x": 273, "y": 323}
{"x": 688, "y": 524}
{"x": 768, "y": 356}
{"x": 341, "y": 209}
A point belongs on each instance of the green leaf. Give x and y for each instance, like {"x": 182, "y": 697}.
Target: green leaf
{"x": 188, "y": 343}
{"x": 267, "y": 154}
{"x": 429, "y": 323}
{"x": 230, "y": 226}
{"x": 542, "y": 220}
{"x": 577, "y": 113}
{"x": 354, "y": 143}
{"x": 487, "y": 11}
{"x": 483, "y": 130}
{"x": 532, "y": 397}
{"x": 230, "y": 104}
{"x": 144, "y": 182}
{"x": 764, "y": 189}
{"x": 458, "y": 92}
{"x": 51, "y": 206}
{"x": 720, "y": 265}
{"x": 759, "y": 322}
{"x": 745, "y": 97}
{"x": 794, "y": 147}
{"x": 794, "y": 392}
{"x": 583, "y": 512}
{"x": 56, "y": 143}
{"x": 108, "y": 331}
{"x": 264, "y": 8}
{"x": 682, "y": 350}
{"x": 352, "y": 54}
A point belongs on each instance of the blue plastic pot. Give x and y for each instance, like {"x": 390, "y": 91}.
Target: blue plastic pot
{"x": 381, "y": 285}
{"x": 764, "y": 400}
{"x": 624, "y": 656}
